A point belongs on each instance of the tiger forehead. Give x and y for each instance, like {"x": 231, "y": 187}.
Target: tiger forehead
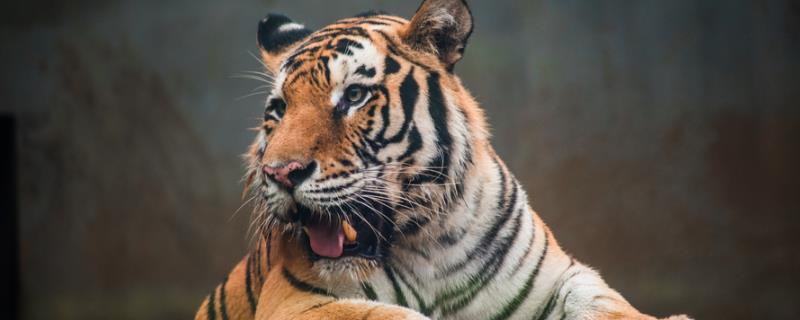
{"x": 312, "y": 56}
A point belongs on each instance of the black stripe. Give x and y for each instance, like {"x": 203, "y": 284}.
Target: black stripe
{"x": 269, "y": 257}
{"x": 312, "y": 45}
{"x": 460, "y": 170}
{"x": 290, "y": 80}
{"x": 211, "y": 309}
{"x": 501, "y": 198}
{"x": 314, "y": 76}
{"x": 333, "y": 32}
{"x": 408, "y": 271}
{"x": 507, "y": 242}
{"x": 449, "y": 239}
{"x": 373, "y": 22}
{"x": 548, "y": 308}
{"x": 414, "y": 144}
{"x": 343, "y": 46}
{"x": 317, "y": 306}
{"x": 291, "y": 62}
{"x": 345, "y": 162}
{"x": 333, "y": 189}
{"x": 277, "y": 105}
{"x": 305, "y": 287}
{"x": 487, "y": 272}
{"x": 438, "y": 112}
{"x": 512, "y": 306}
{"x": 326, "y": 68}
{"x": 423, "y": 307}
{"x": 390, "y": 66}
{"x": 364, "y": 155}
{"x": 257, "y": 261}
{"x": 223, "y": 307}
{"x": 393, "y": 48}
{"x": 527, "y": 249}
{"x": 480, "y": 249}
{"x": 366, "y": 131}
{"x": 390, "y": 18}
{"x": 247, "y": 283}
{"x": 509, "y": 209}
{"x": 409, "y": 91}
{"x": 380, "y": 140}
{"x": 557, "y": 293}
{"x": 369, "y": 291}
{"x": 362, "y": 70}
{"x": 398, "y": 292}
{"x": 343, "y": 174}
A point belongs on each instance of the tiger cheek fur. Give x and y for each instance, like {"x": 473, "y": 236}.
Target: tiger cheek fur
{"x": 368, "y": 130}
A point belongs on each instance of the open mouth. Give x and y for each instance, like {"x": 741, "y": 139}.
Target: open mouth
{"x": 333, "y": 236}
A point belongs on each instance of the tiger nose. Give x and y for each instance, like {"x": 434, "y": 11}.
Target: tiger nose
{"x": 291, "y": 174}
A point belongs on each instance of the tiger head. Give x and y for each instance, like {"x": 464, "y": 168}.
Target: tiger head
{"x": 367, "y": 133}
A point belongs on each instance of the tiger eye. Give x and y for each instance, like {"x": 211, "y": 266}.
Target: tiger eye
{"x": 354, "y": 93}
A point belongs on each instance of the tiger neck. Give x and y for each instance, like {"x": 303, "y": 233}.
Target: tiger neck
{"x": 448, "y": 261}
{"x": 487, "y": 191}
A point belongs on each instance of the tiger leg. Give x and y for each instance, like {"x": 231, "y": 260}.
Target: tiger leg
{"x": 582, "y": 294}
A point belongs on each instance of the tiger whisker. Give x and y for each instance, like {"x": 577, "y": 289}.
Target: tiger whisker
{"x": 261, "y": 62}
{"x": 251, "y": 94}
{"x": 253, "y": 77}
{"x": 268, "y": 76}
{"x": 242, "y": 206}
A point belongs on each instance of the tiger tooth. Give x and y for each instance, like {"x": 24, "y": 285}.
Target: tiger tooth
{"x": 349, "y": 232}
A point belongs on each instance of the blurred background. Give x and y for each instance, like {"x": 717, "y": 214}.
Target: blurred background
{"x": 660, "y": 140}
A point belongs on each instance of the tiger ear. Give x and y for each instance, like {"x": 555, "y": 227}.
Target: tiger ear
{"x": 441, "y": 27}
{"x": 276, "y": 35}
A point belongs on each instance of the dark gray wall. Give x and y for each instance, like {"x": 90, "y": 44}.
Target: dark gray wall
{"x": 658, "y": 139}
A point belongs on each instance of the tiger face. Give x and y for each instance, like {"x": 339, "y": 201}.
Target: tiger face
{"x": 366, "y": 131}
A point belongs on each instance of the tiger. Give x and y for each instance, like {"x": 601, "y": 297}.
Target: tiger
{"x": 378, "y": 193}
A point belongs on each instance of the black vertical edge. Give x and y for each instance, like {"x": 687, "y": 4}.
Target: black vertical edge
{"x": 8, "y": 210}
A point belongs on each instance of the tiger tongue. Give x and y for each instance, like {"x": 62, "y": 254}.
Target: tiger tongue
{"x": 327, "y": 240}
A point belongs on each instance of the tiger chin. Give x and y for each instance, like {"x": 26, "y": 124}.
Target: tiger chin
{"x": 379, "y": 195}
